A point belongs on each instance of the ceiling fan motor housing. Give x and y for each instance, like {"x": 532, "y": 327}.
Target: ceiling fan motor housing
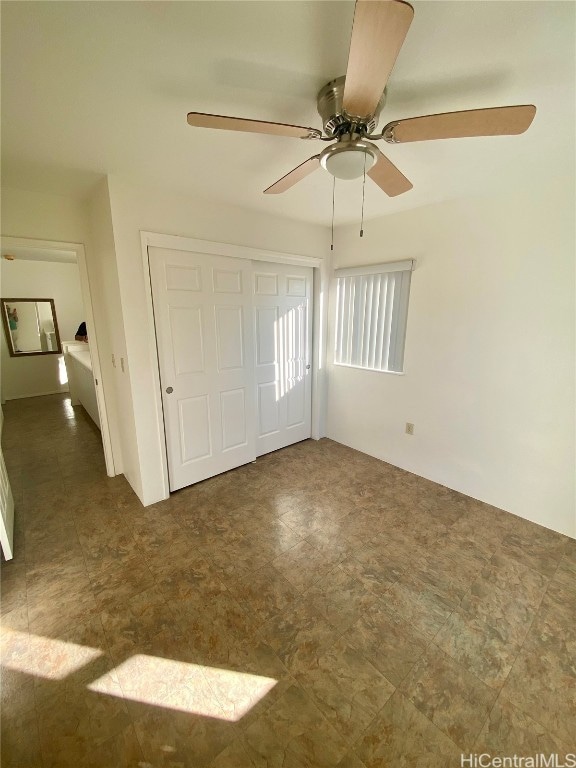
{"x": 335, "y": 119}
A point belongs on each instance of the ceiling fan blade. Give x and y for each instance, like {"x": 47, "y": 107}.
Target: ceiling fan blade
{"x": 378, "y": 33}
{"x": 388, "y": 177}
{"x": 295, "y": 175}
{"x": 497, "y": 121}
{"x": 202, "y": 120}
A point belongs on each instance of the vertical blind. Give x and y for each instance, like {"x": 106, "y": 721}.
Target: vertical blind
{"x": 372, "y": 309}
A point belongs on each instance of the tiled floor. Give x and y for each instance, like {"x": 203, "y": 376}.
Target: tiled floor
{"x": 316, "y": 608}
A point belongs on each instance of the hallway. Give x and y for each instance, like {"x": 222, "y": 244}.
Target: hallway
{"x": 316, "y": 608}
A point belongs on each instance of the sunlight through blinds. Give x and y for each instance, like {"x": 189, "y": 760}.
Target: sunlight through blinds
{"x": 371, "y": 314}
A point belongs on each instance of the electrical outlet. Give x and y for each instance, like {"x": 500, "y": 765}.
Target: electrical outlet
{"x": 409, "y": 428}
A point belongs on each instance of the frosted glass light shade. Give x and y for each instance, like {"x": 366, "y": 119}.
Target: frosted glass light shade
{"x": 348, "y": 163}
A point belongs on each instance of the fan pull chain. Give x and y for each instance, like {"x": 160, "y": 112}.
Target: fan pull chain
{"x": 333, "y": 198}
{"x": 363, "y": 187}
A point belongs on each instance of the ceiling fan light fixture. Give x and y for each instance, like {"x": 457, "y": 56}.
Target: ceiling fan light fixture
{"x": 350, "y": 109}
{"x": 348, "y": 160}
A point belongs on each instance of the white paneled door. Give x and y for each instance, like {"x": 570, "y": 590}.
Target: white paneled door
{"x": 234, "y": 349}
{"x": 283, "y": 342}
{"x": 6, "y": 512}
{"x": 203, "y": 315}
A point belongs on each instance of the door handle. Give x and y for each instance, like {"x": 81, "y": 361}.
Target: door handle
{"x": 169, "y": 390}
{"x": 308, "y": 367}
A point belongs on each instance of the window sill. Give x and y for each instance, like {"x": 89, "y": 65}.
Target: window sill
{"x": 371, "y": 370}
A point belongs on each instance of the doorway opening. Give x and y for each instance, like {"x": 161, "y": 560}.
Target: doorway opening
{"x": 36, "y": 268}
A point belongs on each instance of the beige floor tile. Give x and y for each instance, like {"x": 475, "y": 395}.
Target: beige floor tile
{"x": 175, "y": 738}
{"x": 508, "y": 573}
{"x": 566, "y": 572}
{"x": 553, "y": 637}
{"x": 351, "y": 761}
{"x": 478, "y": 647}
{"x": 20, "y": 740}
{"x": 560, "y": 601}
{"x": 540, "y": 549}
{"x": 235, "y": 559}
{"x": 347, "y": 689}
{"x": 298, "y": 635}
{"x": 340, "y": 598}
{"x": 506, "y": 596}
{"x": 49, "y": 488}
{"x": 213, "y": 626}
{"x": 137, "y": 620}
{"x": 61, "y": 604}
{"x": 78, "y": 723}
{"x": 544, "y": 688}
{"x": 13, "y": 587}
{"x": 121, "y": 580}
{"x": 402, "y": 736}
{"x": 273, "y": 537}
{"x": 294, "y": 732}
{"x": 198, "y": 577}
{"x": 376, "y": 568}
{"x": 456, "y": 701}
{"x": 156, "y": 535}
{"x": 466, "y": 544}
{"x": 235, "y": 755}
{"x": 418, "y": 603}
{"x": 388, "y": 642}
{"x": 265, "y": 593}
{"x": 303, "y": 565}
{"x": 121, "y": 751}
{"x": 265, "y": 616}
{"x": 508, "y": 731}
{"x": 343, "y": 543}
{"x": 16, "y": 691}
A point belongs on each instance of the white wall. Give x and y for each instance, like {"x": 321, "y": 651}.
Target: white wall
{"x": 144, "y": 207}
{"x": 105, "y": 292}
{"x": 489, "y": 361}
{"x": 40, "y": 375}
{"x": 42, "y": 216}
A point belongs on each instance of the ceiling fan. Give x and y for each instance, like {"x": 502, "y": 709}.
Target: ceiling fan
{"x": 350, "y": 107}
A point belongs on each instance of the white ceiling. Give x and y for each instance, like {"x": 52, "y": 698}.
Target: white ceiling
{"x": 104, "y": 87}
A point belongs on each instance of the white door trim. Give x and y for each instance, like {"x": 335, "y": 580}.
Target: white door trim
{"x": 179, "y": 243}
{"x": 78, "y": 250}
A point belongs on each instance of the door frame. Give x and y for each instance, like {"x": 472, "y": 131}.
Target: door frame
{"x": 80, "y": 253}
{"x": 319, "y": 318}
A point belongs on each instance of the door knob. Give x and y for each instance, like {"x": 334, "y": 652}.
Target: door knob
{"x": 169, "y": 390}
{"x": 308, "y": 367}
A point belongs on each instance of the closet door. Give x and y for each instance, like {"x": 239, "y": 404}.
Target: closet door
{"x": 203, "y": 316}
{"x": 283, "y": 344}
{"x": 6, "y": 512}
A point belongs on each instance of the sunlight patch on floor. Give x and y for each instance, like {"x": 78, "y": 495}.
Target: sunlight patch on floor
{"x": 193, "y": 688}
{"x": 207, "y": 691}
{"x": 43, "y": 657}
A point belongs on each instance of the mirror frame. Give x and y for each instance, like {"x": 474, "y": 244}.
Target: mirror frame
{"x": 8, "y": 334}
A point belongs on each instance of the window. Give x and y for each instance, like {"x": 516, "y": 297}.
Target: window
{"x": 372, "y": 308}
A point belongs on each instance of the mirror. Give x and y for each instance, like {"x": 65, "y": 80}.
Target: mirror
{"x": 31, "y": 327}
